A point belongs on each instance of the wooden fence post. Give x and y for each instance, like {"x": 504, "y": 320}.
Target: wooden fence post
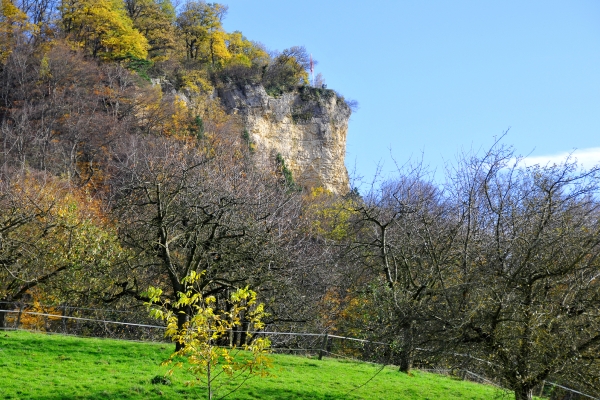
{"x": 19, "y": 316}
{"x": 323, "y": 346}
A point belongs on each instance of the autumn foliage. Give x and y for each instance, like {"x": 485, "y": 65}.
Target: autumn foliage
{"x": 120, "y": 171}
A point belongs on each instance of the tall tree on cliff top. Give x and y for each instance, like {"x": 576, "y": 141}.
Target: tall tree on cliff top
{"x": 245, "y": 52}
{"x": 199, "y": 24}
{"x": 103, "y": 28}
{"x": 155, "y": 19}
{"x": 287, "y": 70}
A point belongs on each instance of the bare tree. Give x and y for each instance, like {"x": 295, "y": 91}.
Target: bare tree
{"x": 186, "y": 207}
{"x": 524, "y": 300}
{"x": 60, "y": 112}
{"x": 497, "y": 271}
{"x": 40, "y": 12}
{"x": 406, "y": 240}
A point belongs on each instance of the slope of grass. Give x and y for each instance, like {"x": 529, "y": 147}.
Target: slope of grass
{"x": 38, "y": 366}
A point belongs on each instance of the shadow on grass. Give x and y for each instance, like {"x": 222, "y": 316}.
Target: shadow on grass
{"x": 106, "y": 395}
{"x": 285, "y": 394}
{"x": 279, "y": 394}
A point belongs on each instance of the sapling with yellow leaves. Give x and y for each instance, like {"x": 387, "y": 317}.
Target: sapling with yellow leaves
{"x": 208, "y": 327}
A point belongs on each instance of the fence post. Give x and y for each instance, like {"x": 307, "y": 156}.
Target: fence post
{"x": 19, "y": 316}
{"x": 64, "y": 320}
{"x": 323, "y": 346}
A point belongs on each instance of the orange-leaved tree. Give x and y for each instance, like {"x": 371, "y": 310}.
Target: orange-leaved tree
{"x": 51, "y": 235}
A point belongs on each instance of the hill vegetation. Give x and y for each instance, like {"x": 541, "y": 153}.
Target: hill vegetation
{"x": 120, "y": 171}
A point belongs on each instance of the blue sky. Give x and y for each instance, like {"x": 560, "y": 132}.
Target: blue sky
{"x": 434, "y": 78}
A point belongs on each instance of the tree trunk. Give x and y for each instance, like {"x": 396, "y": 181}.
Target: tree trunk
{"x": 524, "y": 393}
{"x": 208, "y": 380}
{"x": 182, "y": 318}
{"x": 244, "y": 333}
{"x": 406, "y": 354}
{"x": 2, "y": 318}
{"x": 4, "y": 305}
{"x": 405, "y": 361}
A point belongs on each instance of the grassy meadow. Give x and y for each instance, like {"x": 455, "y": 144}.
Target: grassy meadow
{"x": 41, "y": 366}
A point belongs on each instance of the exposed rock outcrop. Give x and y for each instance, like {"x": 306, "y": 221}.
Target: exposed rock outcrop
{"x": 308, "y": 128}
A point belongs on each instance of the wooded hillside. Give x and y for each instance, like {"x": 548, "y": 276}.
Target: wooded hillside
{"x": 120, "y": 171}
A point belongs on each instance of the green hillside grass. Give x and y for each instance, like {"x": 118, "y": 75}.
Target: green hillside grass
{"x": 39, "y": 366}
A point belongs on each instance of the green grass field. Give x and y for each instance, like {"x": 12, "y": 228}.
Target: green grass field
{"x": 39, "y": 366}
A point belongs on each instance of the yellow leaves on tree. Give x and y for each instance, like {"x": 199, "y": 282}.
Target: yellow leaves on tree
{"x": 103, "y": 28}
{"x": 163, "y": 115}
{"x": 217, "y": 48}
{"x": 51, "y": 233}
{"x": 199, "y": 24}
{"x": 244, "y": 52}
{"x": 155, "y": 20}
{"x": 329, "y": 215}
{"x": 195, "y": 81}
{"x": 207, "y": 326}
{"x": 180, "y": 119}
{"x": 36, "y": 313}
{"x": 13, "y": 27}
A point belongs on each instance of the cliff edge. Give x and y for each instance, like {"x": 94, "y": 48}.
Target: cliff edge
{"x": 307, "y": 127}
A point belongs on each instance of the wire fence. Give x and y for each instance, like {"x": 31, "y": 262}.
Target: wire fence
{"x": 81, "y": 321}
{"x": 126, "y": 325}
{"x": 137, "y": 325}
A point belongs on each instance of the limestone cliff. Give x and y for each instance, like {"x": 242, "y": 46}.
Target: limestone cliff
{"x": 308, "y": 128}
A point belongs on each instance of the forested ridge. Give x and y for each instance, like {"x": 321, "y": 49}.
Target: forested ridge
{"x": 120, "y": 171}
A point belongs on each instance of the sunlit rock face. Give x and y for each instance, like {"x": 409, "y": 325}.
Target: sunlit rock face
{"x": 308, "y": 128}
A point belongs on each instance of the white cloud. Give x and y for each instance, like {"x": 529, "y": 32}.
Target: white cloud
{"x": 586, "y": 158}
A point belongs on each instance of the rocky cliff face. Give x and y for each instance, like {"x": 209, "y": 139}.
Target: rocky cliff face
{"x": 308, "y": 128}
